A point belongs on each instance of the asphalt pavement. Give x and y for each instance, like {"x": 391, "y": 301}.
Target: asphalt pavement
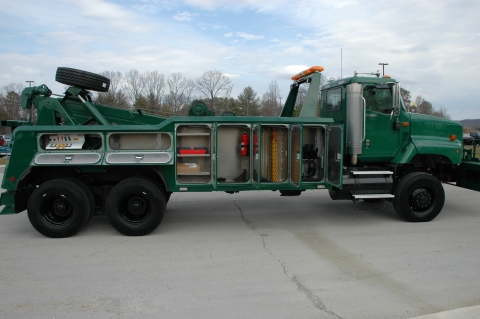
{"x": 250, "y": 255}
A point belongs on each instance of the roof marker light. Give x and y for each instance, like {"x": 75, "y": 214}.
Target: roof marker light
{"x": 303, "y": 74}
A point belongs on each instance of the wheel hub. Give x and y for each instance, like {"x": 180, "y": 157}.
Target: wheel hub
{"x": 136, "y": 205}
{"x": 57, "y": 210}
{"x": 420, "y": 199}
{"x": 60, "y": 207}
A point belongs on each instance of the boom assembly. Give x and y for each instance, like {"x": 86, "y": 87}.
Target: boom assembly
{"x": 82, "y": 157}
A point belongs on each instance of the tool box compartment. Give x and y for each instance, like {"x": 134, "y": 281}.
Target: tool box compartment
{"x": 193, "y": 156}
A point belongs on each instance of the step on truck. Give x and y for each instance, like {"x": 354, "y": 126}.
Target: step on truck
{"x": 353, "y": 138}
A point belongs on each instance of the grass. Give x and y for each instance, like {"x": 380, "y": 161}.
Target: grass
{"x": 4, "y": 160}
{"x": 477, "y": 150}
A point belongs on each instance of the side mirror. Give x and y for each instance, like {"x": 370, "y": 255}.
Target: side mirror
{"x": 395, "y": 100}
{"x": 395, "y": 95}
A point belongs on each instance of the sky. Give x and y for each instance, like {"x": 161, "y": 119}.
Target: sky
{"x": 432, "y": 47}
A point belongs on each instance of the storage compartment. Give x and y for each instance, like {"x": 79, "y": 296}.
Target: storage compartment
{"x": 313, "y": 150}
{"x": 139, "y": 141}
{"x": 233, "y": 153}
{"x": 274, "y": 150}
{"x": 193, "y": 153}
{"x": 70, "y": 141}
{"x": 295, "y": 154}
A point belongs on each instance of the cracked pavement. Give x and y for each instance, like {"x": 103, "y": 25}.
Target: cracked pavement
{"x": 248, "y": 255}
{"x": 316, "y": 301}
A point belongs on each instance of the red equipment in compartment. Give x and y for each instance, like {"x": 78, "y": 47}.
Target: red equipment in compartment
{"x": 244, "y": 144}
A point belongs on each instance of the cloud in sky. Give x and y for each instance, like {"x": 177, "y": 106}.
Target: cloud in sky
{"x": 183, "y": 16}
{"x": 248, "y": 36}
{"x": 431, "y": 46}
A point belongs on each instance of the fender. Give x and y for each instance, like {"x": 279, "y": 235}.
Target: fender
{"x": 439, "y": 146}
{"x": 429, "y": 145}
{"x": 406, "y": 154}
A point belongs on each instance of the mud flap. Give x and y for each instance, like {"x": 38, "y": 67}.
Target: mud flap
{"x": 7, "y": 199}
{"x": 469, "y": 175}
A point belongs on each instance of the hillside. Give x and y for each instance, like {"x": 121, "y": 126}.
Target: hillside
{"x": 474, "y": 124}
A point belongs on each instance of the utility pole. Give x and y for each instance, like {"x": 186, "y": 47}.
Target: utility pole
{"x": 31, "y": 111}
{"x": 383, "y": 67}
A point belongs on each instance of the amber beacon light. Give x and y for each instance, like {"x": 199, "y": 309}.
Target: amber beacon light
{"x": 309, "y": 71}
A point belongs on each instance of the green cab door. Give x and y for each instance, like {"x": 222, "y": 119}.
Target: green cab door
{"x": 383, "y": 130}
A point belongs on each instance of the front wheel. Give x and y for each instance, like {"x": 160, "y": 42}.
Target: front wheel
{"x": 419, "y": 197}
{"x": 135, "y": 206}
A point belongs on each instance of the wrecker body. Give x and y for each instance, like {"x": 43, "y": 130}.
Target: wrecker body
{"x": 353, "y": 137}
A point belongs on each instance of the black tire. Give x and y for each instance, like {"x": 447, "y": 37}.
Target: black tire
{"x": 82, "y": 79}
{"x": 419, "y": 197}
{"x": 91, "y": 200}
{"x": 58, "y": 208}
{"x": 339, "y": 194}
{"x": 135, "y": 206}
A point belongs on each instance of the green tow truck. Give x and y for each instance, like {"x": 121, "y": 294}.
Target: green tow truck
{"x": 82, "y": 157}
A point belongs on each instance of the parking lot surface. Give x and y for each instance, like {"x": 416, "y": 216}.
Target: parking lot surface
{"x": 249, "y": 255}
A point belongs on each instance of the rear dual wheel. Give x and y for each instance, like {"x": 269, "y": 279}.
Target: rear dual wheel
{"x": 60, "y": 207}
{"x": 135, "y": 206}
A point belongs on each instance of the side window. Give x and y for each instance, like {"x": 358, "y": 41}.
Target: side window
{"x": 334, "y": 99}
{"x": 378, "y": 98}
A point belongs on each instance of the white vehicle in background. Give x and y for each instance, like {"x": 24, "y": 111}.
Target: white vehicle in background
{"x": 5, "y": 141}
{"x": 8, "y": 139}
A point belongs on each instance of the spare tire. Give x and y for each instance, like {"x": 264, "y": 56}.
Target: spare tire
{"x": 82, "y": 79}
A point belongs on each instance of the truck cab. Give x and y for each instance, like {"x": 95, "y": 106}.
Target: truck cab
{"x": 380, "y": 131}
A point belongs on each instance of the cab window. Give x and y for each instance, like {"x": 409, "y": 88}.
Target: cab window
{"x": 334, "y": 99}
{"x": 378, "y": 98}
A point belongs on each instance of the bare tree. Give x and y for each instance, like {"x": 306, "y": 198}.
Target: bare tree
{"x": 116, "y": 79}
{"x": 212, "y": 83}
{"x": 115, "y": 95}
{"x": 11, "y": 101}
{"x": 271, "y": 100}
{"x": 425, "y": 107}
{"x": 442, "y": 112}
{"x": 155, "y": 86}
{"x": 179, "y": 92}
{"x": 134, "y": 85}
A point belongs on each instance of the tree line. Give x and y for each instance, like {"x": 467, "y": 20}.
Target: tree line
{"x": 172, "y": 95}
{"x": 422, "y": 106}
